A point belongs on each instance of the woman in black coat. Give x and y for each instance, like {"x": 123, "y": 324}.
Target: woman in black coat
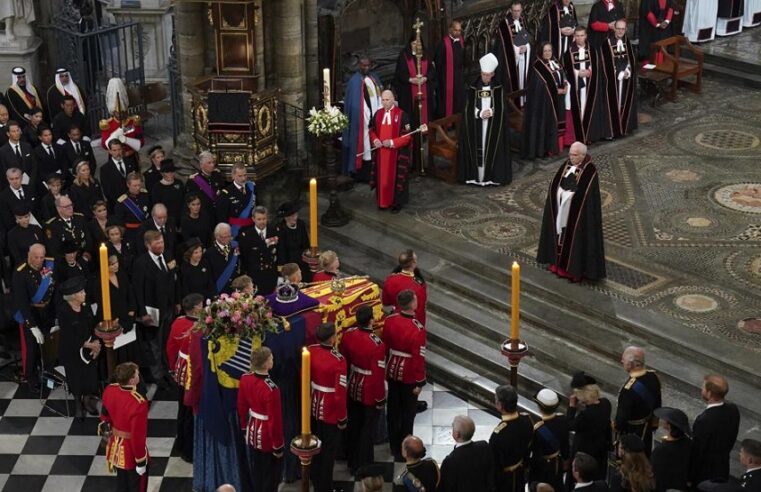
{"x": 195, "y": 274}
{"x": 122, "y": 308}
{"x": 78, "y": 345}
{"x": 85, "y": 190}
{"x": 97, "y": 226}
{"x": 119, "y": 248}
{"x": 195, "y": 222}
{"x": 589, "y": 418}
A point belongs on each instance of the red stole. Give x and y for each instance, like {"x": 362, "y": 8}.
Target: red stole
{"x": 450, "y": 73}
{"x": 412, "y": 68}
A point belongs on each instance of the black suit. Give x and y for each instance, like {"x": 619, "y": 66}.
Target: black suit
{"x": 170, "y": 237}
{"x": 113, "y": 182}
{"x": 71, "y": 156}
{"x": 47, "y": 165}
{"x": 260, "y": 257}
{"x": 714, "y": 434}
{"x": 469, "y": 467}
{"x": 596, "y": 486}
{"x": 8, "y": 199}
{"x": 9, "y": 159}
{"x": 154, "y": 287}
{"x": 751, "y": 481}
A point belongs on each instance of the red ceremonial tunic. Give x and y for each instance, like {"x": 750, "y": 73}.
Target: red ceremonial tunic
{"x": 397, "y": 282}
{"x": 260, "y": 413}
{"x": 127, "y": 413}
{"x": 323, "y": 276}
{"x": 386, "y": 158}
{"x": 192, "y": 396}
{"x": 404, "y": 337}
{"x": 177, "y": 348}
{"x": 365, "y": 355}
{"x": 132, "y": 128}
{"x": 328, "y": 371}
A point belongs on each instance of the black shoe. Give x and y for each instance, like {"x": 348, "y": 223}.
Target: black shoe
{"x": 89, "y": 404}
{"x": 421, "y": 407}
{"x": 396, "y": 209}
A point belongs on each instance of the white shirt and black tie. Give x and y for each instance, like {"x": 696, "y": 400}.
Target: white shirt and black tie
{"x": 77, "y": 148}
{"x": 159, "y": 261}
{"x": 19, "y": 193}
{"x": 262, "y": 233}
{"x": 17, "y": 151}
{"x": 120, "y": 167}
{"x": 50, "y": 151}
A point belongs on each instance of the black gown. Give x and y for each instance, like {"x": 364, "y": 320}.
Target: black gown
{"x": 649, "y": 34}
{"x": 291, "y": 244}
{"x": 202, "y": 228}
{"x": 615, "y": 60}
{"x": 196, "y": 280}
{"x": 555, "y": 20}
{"x": 450, "y": 77}
{"x": 601, "y": 14}
{"x": 122, "y": 302}
{"x": 126, "y": 256}
{"x": 579, "y": 250}
{"x": 172, "y": 196}
{"x": 76, "y": 329}
{"x": 406, "y": 93}
{"x": 594, "y": 124}
{"x": 544, "y": 116}
{"x": 671, "y": 464}
{"x": 592, "y": 433}
{"x": 498, "y": 162}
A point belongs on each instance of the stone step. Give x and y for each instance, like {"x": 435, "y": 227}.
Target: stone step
{"x": 589, "y": 336}
{"x": 726, "y": 69}
{"x": 469, "y": 263}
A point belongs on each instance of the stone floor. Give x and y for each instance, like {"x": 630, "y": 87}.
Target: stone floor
{"x": 681, "y": 205}
{"x": 743, "y": 46}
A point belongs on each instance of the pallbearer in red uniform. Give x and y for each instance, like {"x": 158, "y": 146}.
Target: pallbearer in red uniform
{"x": 391, "y": 164}
{"x": 328, "y": 371}
{"x": 404, "y": 337}
{"x": 406, "y": 276}
{"x": 260, "y": 413}
{"x": 177, "y": 356}
{"x": 365, "y": 355}
{"x": 125, "y": 416}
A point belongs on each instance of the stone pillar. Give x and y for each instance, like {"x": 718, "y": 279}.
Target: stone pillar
{"x": 259, "y": 23}
{"x": 289, "y": 63}
{"x": 313, "y": 70}
{"x": 189, "y": 26}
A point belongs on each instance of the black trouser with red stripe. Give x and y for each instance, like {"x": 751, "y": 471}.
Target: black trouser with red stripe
{"x": 130, "y": 481}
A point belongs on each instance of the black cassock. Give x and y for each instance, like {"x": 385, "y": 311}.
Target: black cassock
{"x": 622, "y": 93}
{"x": 509, "y": 70}
{"x": 579, "y": 248}
{"x": 76, "y": 329}
{"x": 544, "y": 116}
{"x": 649, "y": 34}
{"x": 497, "y": 162}
{"x": 449, "y": 77}
{"x": 594, "y": 123}
{"x": 406, "y": 93}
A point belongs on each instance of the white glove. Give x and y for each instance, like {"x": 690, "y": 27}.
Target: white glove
{"x": 141, "y": 470}
{"x": 38, "y": 335}
{"x": 55, "y": 329}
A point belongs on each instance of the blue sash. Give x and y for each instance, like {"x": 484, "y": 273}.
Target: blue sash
{"x": 549, "y": 438}
{"x": 246, "y": 212}
{"x": 229, "y": 269}
{"x": 643, "y": 392}
{"x": 42, "y": 289}
{"x": 134, "y": 208}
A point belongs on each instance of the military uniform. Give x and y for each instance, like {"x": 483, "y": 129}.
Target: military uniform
{"x": 207, "y": 187}
{"x": 365, "y": 355}
{"x": 404, "y": 280}
{"x": 132, "y": 127}
{"x": 510, "y": 444}
{"x": 132, "y": 220}
{"x": 260, "y": 414}
{"x": 422, "y": 476}
{"x": 405, "y": 339}
{"x": 58, "y": 230}
{"x": 637, "y": 399}
{"x": 126, "y": 411}
{"x": 549, "y": 449}
{"x": 328, "y": 371}
{"x": 32, "y": 309}
{"x": 231, "y": 203}
{"x": 260, "y": 257}
{"x": 218, "y": 257}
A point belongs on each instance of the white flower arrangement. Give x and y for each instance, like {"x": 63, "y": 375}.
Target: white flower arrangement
{"x": 326, "y": 121}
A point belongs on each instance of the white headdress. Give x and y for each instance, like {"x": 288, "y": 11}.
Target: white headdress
{"x": 15, "y": 73}
{"x": 488, "y": 63}
{"x": 116, "y": 88}
{"x": 70, "y": 89}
